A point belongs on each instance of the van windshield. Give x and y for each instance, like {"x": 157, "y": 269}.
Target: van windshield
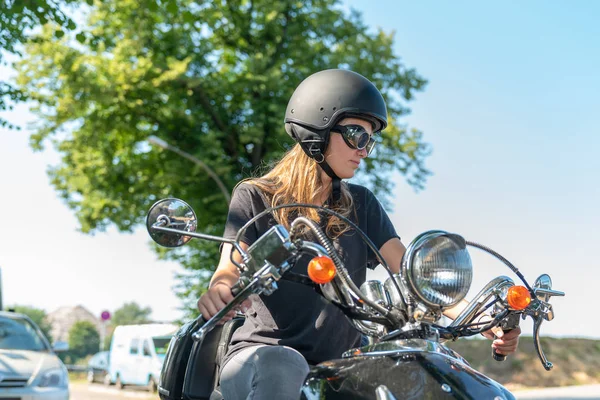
{"x": 160, "y": 346}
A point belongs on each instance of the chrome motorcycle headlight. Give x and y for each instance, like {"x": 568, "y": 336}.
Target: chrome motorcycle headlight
{"x": 438, "y": 268}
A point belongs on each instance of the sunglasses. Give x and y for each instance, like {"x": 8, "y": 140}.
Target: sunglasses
{"x": 356, "y": 137}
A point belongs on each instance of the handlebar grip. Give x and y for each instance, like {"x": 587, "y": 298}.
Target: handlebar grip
{"x": 497, "y": 356}
{"x": 235, "y": 289}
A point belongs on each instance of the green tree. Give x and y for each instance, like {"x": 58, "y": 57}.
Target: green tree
{"x": 84, "y": 340}
{"x": 129, "y": 314}
{"x": 212, "y": 78}
{"x": 38, "y": 316}
{"x": 18, "y": 19}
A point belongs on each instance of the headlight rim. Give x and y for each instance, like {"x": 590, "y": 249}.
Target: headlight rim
{"x": 407, "y": 267}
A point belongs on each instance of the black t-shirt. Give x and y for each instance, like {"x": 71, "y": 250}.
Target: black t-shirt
{"x": 295, "y": 315}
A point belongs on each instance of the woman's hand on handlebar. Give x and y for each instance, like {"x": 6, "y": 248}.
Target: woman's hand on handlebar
{"x": 504, "y": 343}
{"x": 216, "y": 298}
{"x": 219, "y": 292}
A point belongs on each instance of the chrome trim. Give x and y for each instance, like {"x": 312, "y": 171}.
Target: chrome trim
{"x": 494, "y": 287}
{"x": 383, "y": 393}
{"x": 543, "y": 288}
{"x": 395, "y": 298}
{"x": 402, "y": 346}
{"x": 315, "y": 248}
{"x": 374, "y": 291}
{"x": 368, "y": 328}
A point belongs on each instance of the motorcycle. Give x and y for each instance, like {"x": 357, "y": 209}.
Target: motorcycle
{"x": 404, "y": 355}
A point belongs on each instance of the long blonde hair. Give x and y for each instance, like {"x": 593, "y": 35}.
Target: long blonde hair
{"x": 296, "y": 178}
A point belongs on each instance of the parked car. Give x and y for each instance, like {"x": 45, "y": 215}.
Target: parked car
{"x": 29, "y": 367}
{"x": 98, "y": 368}
{"x": 137, "y": 353}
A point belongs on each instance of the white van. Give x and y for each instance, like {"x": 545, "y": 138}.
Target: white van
{"x": 137, "y": 353}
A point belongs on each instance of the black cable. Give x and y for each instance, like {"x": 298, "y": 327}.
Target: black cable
{"x": 505, "y": 261}
{"x": 327, "y": 211}
{"x": 491, "y": 303}
{"x": 464, "y": 330}
{"x": 356, "y": 313}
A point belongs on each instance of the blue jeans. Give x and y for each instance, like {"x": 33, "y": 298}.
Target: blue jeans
{"x": 264, "y": 372}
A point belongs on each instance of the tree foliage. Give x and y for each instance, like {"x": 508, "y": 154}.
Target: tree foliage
{"x": 130, "y": 314}
{"x": 84, "y": 340}
{"x": 18, "y": 19}
{"x": 38, "y": 316}
{"x": 210, "y": 77}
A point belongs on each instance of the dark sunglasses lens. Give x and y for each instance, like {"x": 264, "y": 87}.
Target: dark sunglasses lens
{"x": 363, "y": 140}
{"x": 359, "y": 137}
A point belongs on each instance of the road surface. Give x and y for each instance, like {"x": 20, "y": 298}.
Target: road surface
{"x": 97, "y": 391}
{"x": 85, "y": 391}
{"x": 586, "y": 392}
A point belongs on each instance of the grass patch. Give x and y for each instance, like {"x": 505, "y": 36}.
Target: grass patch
{"x": 77, "y": 377}
{"x": 576, "y": 361}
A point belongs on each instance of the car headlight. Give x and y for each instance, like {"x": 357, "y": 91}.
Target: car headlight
{"x": 438, "y": 268}
{"x": 54, "y": 378}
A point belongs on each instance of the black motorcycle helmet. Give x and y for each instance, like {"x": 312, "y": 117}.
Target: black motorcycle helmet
{"x": 321, "y": 101}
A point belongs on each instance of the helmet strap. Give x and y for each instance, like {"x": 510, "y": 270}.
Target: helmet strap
{"x": 336, "y": 190}
{"x": 314, "y": 143}
{"x": 336, "y": 187}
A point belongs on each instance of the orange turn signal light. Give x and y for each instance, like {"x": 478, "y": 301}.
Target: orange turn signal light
{"x": 518, "y": 297}
{"x": 321, "y": 270}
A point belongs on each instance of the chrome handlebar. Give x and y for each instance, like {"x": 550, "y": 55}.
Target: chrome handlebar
{"x": 493, "y": 288}
{"x": 273, "y": 254}
{"x": 539, "y": 309}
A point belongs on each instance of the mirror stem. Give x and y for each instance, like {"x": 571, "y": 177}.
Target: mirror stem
{"x": 158, "y": 227}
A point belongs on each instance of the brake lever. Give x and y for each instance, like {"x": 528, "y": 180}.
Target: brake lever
{"x": 537, "y": 323}
{"x": 540, "y": 311}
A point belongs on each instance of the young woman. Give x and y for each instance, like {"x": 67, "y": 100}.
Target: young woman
{"x": 334, "y": 116}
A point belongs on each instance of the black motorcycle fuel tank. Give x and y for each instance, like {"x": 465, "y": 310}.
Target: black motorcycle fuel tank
{"x": 404, "y": 374}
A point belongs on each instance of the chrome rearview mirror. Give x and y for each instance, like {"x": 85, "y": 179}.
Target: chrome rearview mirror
{"x": 545, "y": 283}
{"x": 172, "y": 223}
{"x": 175, "y": 215}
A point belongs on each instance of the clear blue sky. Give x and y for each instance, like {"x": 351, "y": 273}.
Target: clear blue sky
{"x": 511, "y": 110}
